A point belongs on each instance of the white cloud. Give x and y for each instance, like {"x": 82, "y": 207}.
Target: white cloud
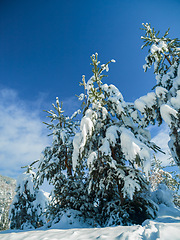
{"x": 22, "y": 134}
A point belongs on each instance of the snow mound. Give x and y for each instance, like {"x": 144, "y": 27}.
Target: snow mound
{"x": 165, "y": 227}
{"x": 70, "y": 219}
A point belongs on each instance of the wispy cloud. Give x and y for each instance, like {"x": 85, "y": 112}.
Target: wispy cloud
{"x": 22, "y": 134}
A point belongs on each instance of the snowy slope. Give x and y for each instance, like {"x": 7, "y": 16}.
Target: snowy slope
{"x": 165, "y": 227}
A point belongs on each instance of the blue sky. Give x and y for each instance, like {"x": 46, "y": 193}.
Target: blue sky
{"x": 45, "y": 48}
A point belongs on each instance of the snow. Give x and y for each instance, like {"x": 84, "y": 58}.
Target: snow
{"x": 105, "y": 148}
{"x": 76, "y": 143}
{"x": 115, "y": 97}
{"x": 161, "y": 92}
{"x": 130, "y": 186}
{"x": 75, "y": 113}
{"x": 81, "y": 97}
{"x": 111, "y": 134}
{"x": 176, "y": 82}
{"x": 175, "y": 101}
{"x": 70, "y": 219}
{"x": 167, "y": 112}
{"x": 80, "y": 138}
{"x": 25, "y": 178}
{"x": 104, "y": 113}
{"x": 91, "y": 158}
{"x": 24, "y": 192}
{"x": 112, "y": 91}
{"x": 165, "y": 227}
{"x": 105, "y": 67}
{"x": 132, "y": 147}
{"x": 145, "y": 101}
{"x": 163, "y": 195}
{"x": 89, "y": 85}
{"x": 86, "y": 128}
{"x": 161, "y": 47}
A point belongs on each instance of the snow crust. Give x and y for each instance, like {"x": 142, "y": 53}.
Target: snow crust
{"x": 165, "y": 227}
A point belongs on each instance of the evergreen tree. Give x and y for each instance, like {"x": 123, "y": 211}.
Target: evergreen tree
{"x": 113, "y": 146}
{"x": 68, "y": 193}
{"x": 164, "y": 103}
{"x": 57, "y": 158}
{"x": 26, "y": 211}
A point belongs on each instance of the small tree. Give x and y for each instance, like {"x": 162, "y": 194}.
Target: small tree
{"x": 26, "y": 211}
{"x": 68, "y": 193}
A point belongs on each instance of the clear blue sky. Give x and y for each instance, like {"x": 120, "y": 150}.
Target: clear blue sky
{"x": 45, "y": 48}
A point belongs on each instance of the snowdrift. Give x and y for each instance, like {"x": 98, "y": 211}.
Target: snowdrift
{"x": 165, "y": 227}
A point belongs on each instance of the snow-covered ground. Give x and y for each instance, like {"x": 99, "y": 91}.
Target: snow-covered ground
{"x": 165, "y": 227}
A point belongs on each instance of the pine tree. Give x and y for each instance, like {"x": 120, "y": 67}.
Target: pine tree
{"x": 112, "y": 145}
{"x": 68, "y": 193}
{"x": 164, "y": 103}
{"x": 26, "y": 211}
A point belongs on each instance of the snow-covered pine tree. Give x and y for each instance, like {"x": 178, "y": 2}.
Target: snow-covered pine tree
{"x": 164, "y": 103}
{"x": 27, "y": 208}
{"x": 57, "y": 158}
{"x": 115, "y": 149}
{"x": 68, "y": 193}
